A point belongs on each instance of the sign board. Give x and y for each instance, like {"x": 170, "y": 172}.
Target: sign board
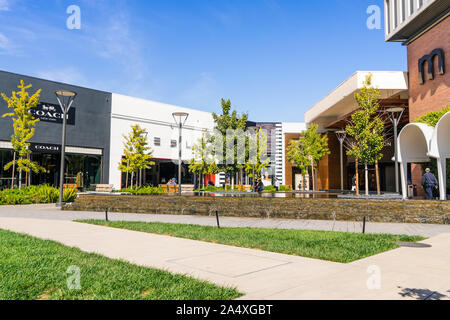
{"x": 48, "y": 112}
{"x": 45, "y": 148}
{"x": 429, "y": 59}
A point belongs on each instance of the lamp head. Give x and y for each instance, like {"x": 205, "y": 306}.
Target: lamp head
{"x": 65, "y": 99}
{"x": 395, "y": 109}
{"x": 64, "y": 93}
{"x": 180, "y": 117}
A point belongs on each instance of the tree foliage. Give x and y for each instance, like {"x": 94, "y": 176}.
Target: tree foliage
{"x": 230, "y": 120}
{"x": 137, "y": 153}
{"x": 308, "y": 150}
{"x": 24, "y": 126}
{"x": 432, "y": 118}
{"x": 204, "y": 160}
{"x": 365, "y": 127}
{"x": 310, "y": 145}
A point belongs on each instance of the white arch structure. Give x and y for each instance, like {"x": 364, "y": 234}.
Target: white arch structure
{"x": 419, "y": 142}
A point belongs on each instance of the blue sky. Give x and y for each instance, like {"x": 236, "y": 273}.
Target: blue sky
{"x": 272, "y": 58}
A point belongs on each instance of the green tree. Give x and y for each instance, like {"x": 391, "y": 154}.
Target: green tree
{"x": 257, "y": 158}
{"x": 316, "y": 147}
{"x": 24, "y": 128}
{"x": 204, "y": 161}
{"x": 308, "y": 151}
{"x": 295, "y": 153}
{"x": 366, "y": 129}
{"x": 137, "y": 154}
{"x": 230, "y": 120}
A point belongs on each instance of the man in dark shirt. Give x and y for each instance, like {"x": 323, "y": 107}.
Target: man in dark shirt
{"x": 259, "y": 186}
{"x": 429, "y": 182}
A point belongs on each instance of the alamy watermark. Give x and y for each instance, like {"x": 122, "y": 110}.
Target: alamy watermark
{"x": 374, "y": 20}
{"x": 73, "y": 22}
{"x": 74, "y": 279}
{"x": 374, "y": 281}
{"x": 236, "y": 147}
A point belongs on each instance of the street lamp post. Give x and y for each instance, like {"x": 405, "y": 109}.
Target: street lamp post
{"x": 180, "y": 120}
{"x": 254, "y": 131}
{"x": 65, "y": 99}
{"x": 341, "y": 135}
{"x": 141, "y": 179}
{"x": 395, "y": 115}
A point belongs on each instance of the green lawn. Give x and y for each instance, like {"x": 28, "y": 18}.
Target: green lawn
{"x": 325, "y": 245}
{"x": 32, "y": 269}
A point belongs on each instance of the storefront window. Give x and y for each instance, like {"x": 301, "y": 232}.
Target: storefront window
{"x": 83, "y": 170}
{"x": 6, "y": 156}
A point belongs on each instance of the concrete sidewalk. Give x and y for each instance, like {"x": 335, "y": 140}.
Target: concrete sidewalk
{"x": 50, "y": 212}
{"x": 405, "y": 273}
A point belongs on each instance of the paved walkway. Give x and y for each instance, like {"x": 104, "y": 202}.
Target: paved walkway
{"x": 53, "y": 213}
{"x": 405, "y": 273}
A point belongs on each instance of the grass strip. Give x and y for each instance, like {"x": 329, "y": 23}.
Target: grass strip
{"x": 325, "y": 245}
{"x": 35, "y": 269}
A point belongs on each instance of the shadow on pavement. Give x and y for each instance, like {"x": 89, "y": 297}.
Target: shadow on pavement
{"x": 421, "y": 294}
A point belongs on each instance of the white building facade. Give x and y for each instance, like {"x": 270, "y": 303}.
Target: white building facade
{"x": 156, "y": 118}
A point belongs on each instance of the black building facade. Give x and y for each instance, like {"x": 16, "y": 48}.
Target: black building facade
{"x": 88, "y": 134}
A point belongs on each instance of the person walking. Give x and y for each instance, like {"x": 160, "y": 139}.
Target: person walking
{"x": 354, "y": 183}
{"x": 429, "y": 182}
{"x": 259, "y": 186}
{"x": 277, "y": 184}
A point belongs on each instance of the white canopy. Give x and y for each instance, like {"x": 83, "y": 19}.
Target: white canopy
{"x": 418, "y": 142}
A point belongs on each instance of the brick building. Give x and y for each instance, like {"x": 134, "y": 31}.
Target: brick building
{"x": 424, "y": 27}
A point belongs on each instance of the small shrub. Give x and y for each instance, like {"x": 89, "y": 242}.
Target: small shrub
{"x": 270, "y": 188}
{"x": 145, "y": 190}
{"x": 432, "y": 118}
{"x": 46, "y": 194}
{"x": 211, "y": 189}
{"x": 29, "y": 195}
{"x": 69, "y": 195}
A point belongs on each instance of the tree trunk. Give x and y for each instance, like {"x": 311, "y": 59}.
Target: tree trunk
{"x": 126, "y": 182}
{"x": 20, "y": 179}
{"x": 357, "y": 176}
{"x": 28, "y": 178}
{"x": 232, "y": 181}
{"x": 313, "y": 179}
{"x": 13, "y": 171}
{"x": 377, "y": 172}
{"x": 366, "y": 173}
{"x": 132, "y": 178}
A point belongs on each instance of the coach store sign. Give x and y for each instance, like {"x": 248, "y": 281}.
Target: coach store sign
{"x": 48, "y": 112}
{"x": 45, "y": 148}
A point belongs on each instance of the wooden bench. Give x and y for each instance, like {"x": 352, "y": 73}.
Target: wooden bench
{"x": 243, "y": 188}
{"x": 104, "y": 188}
{"x": 169, "y": 188}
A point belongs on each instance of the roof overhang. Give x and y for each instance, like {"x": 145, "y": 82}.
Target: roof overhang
{"x": 341, "y": 101}
{"x": 432, "y": 12}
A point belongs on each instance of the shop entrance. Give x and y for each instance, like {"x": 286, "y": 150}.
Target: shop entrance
{"x": 51, "y": 163}
{"x": 161, "y": 173}
{"x": 80, "y": 170}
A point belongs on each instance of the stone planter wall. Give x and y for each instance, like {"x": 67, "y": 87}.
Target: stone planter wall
{"x": 286, "y": 208}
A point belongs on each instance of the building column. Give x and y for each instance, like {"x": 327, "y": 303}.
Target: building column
{"x": 404, "y": 178}
{"x": 442, "y": 177}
